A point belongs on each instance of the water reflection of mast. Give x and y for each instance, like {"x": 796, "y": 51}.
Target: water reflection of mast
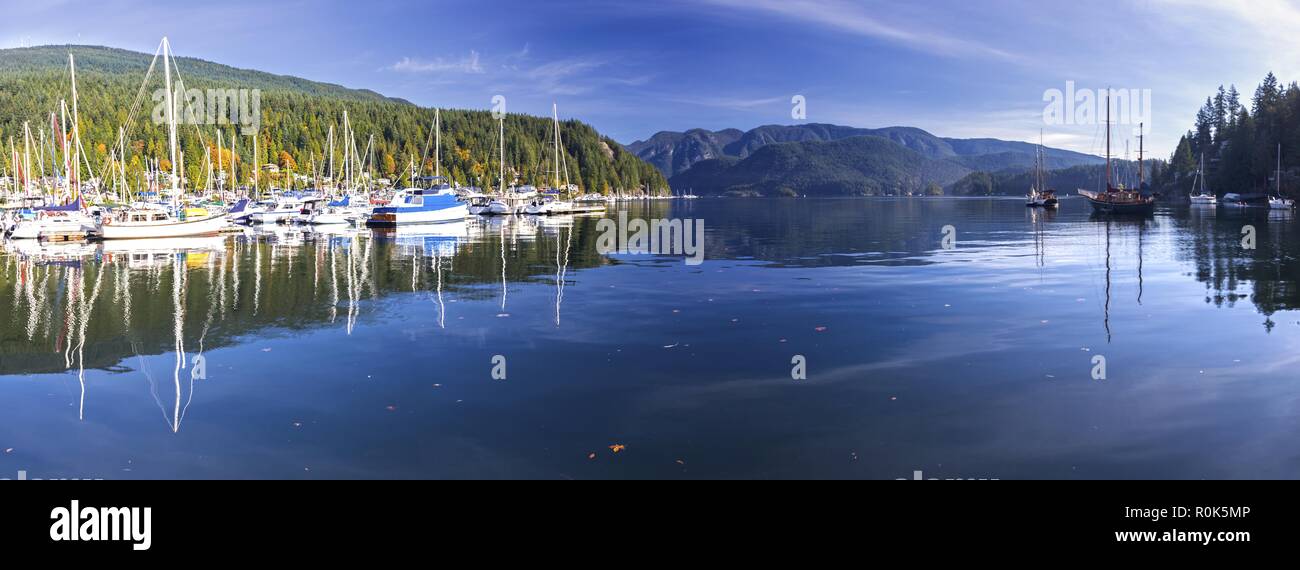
{"x": 442, "y": 308}
{"x": 257, "y": 274}
{"x": 178, "y": 278}
{"x": 334, "y": 284}
{"x": 561, "y": 271}
{"x": 503, "y": 267}
{"x": 1106, "y": 318}
{"x": 1141, "y": 229}
{"x": 86, "y": 308}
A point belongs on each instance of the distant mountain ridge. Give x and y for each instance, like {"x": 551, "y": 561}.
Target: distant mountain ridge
{"x": 676, "y": 152}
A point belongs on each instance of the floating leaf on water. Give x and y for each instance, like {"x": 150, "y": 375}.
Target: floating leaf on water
{"x": 391, "y": 408}
{"x": 617, "y": 447}
{"x": 591, "y": 455}
{"x": 820, "y": 329}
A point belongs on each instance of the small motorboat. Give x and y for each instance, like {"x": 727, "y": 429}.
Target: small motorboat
{"x": 419, "y": 206}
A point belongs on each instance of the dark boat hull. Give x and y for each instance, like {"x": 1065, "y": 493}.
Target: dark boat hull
{"x": 1123, "y": 208}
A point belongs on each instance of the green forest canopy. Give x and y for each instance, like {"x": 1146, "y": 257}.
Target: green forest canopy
{"x": 296, "y": 115}
{"x": 1239, "y": 141}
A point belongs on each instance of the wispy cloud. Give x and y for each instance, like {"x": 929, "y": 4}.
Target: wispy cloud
{"x": 734, "y": 103}
{"x": 468, "y": 64}
{"x": 859, "y": 20}
{"x": 1262, "y": 29}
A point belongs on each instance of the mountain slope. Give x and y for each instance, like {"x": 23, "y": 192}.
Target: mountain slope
{"x": 674, "y": 153}
{"x": 855, "y": 166}
{"x": 296, "y": 115}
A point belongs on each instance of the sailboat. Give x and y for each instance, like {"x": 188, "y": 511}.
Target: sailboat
{"x": 1278, "y": 202}
{"x": 500, "y": 206}
{"x": 1198, "y": 183}
{"x": 550, "y": 202}
{"x": 68, "y": 221}
{"x": 1039, "y": 195}
{"x": 1120, "y": 201}
{"x": 142, "y": 221}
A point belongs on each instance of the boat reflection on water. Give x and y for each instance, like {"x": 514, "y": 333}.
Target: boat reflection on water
{"x": 101, "y": 306}
{"x": 1123, "y": 226}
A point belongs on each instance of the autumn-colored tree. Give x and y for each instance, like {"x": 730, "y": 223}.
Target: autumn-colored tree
{"x": 390, "y": 165}
{"x": 287, "y": 162}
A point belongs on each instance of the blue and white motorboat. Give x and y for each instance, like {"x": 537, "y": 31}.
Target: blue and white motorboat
{"x": 419, "y": 206}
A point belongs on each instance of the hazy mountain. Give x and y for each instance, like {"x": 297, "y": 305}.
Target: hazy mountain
{"x": 673, "y": 153}
{"x": 855, "y": 166}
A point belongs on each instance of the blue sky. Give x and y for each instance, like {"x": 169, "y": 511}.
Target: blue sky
{"x": 955, "y": 68}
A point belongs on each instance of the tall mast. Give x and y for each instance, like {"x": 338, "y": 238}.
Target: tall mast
{"x": 1278, "y": 175}
{"x": 27, "y": 159}
{"x": 1141, "y": 174}
{"x": 171, "y": 116}
{"x": 76, "y": 130}
{"x": 256, "y": 166}
{"x": 221, "y": 165}
{"x": 234, "y": 140}
{"x": 437, "y": 144}
{"x": 555, "y": 118}
{"x": 13, "y": 155}
{"x": 63, "y": 142}
{"x": 1108, "y": 180}
{"x": 121, "y": 144}
{"x": 330, "y": 143}
{"x": 501, "y": 124}
{"x": 347, "y": 150}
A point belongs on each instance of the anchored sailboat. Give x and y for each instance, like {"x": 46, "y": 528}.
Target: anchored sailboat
{"x": 1278, "y": 202}
{"x": 1040, "y": 196}
{"x": 1121, "y": 200}
{"x": 1198, "y": 184}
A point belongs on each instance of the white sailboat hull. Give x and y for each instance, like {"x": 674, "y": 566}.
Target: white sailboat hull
{"x": 36, "y": 229}
{"x": 163, "y": 229}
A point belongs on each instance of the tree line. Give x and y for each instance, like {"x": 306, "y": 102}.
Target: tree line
{"x": 1238, "y": 141}
{"x": 295, "y": 119}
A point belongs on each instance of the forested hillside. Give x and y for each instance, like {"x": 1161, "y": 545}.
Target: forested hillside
{"x": 296, "y": 115}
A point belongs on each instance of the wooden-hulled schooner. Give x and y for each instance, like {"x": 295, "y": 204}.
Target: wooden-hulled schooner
{"x": 1122, "y": 201}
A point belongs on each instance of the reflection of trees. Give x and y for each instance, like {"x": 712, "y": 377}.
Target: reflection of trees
{"x": 1266, "y": 276}
{"x": 51, "y": 311}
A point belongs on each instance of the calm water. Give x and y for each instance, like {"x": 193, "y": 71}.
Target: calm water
{"x": 359, "y": 355}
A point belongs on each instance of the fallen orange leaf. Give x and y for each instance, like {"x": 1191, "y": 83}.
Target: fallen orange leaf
{"x": 617, "y": 447}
